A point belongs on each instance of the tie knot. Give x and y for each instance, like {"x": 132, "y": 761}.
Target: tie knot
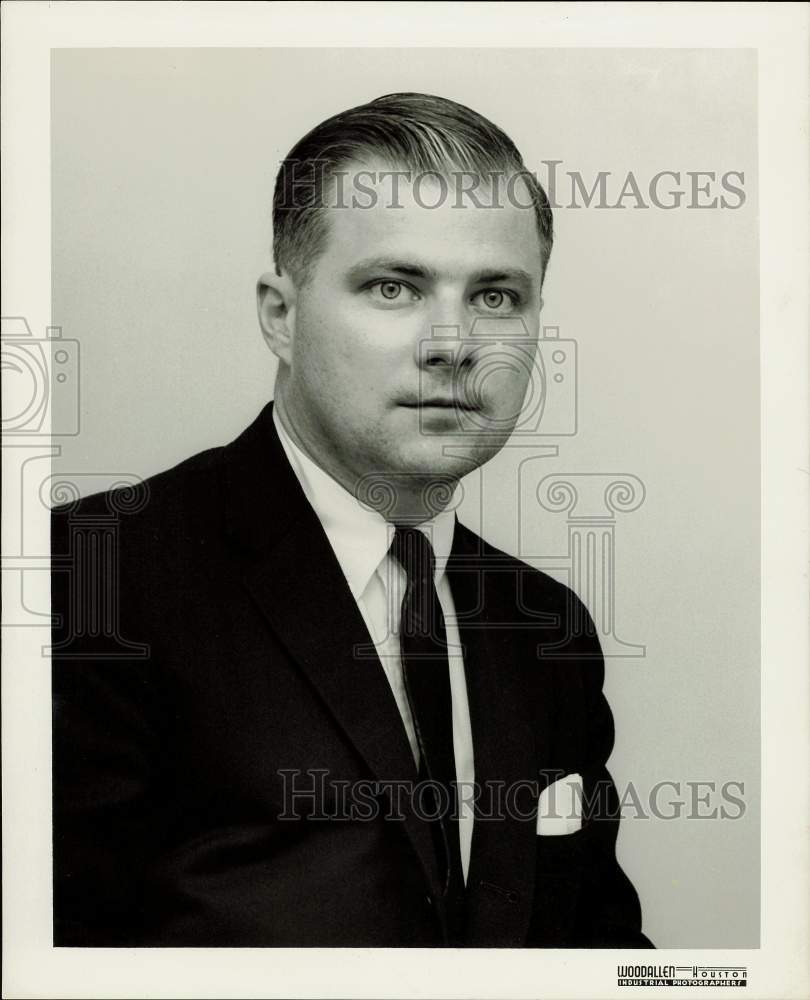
{"x": 414, "y": 553}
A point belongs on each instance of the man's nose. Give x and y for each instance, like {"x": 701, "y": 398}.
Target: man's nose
{"x": 446, "y": 345}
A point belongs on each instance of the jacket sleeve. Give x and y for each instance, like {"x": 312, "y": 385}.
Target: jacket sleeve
{"x": 583, "y": 899}
{"x": 609, "y": 912}
{"x": 106, "y": 808}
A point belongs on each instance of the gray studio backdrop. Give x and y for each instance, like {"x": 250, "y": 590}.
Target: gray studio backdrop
{"x": 163, "y": 166}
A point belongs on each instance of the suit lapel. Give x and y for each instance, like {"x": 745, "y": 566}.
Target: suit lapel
{"x": 297, "y": 583}
{"x": 507, "y": 742}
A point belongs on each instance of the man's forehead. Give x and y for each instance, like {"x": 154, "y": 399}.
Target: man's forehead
{"x": 424, "y": 215}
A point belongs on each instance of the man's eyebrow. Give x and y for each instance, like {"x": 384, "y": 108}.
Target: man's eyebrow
{"x": 411, "y": 269}
{"x": 507, "y": 274}
{"x": 414, "y": 269}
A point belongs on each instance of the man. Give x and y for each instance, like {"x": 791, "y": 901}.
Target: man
{"x": 337, "y": 714}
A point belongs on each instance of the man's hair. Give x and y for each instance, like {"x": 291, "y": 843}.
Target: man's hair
{"x": 415, "y": 132}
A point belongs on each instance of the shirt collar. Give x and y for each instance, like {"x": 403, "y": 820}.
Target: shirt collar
{"x": 359, "y": 537}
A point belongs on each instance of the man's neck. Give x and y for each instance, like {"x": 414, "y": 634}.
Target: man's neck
{"x": 401, "y": 498}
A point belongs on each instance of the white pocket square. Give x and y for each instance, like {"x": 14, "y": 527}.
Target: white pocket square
{"x": 559, "y": 808}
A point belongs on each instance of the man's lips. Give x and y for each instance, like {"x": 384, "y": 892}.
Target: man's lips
{"x": 438, "y": 404}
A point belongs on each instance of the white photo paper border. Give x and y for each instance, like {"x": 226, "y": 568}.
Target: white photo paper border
{"x": 779, "y": 969}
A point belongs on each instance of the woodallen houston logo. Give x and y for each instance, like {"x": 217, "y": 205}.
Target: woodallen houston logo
{"x": 682, "y": 975}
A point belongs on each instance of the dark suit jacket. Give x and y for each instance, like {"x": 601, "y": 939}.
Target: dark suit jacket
{"x": 209, "y": 660}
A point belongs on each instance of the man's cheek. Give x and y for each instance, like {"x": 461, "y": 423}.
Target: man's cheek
{"x": 499, "y": 384}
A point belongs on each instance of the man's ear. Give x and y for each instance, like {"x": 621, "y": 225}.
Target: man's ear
{"x": 275, "y": 298}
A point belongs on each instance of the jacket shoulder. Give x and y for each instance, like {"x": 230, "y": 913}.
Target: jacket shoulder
{"x": 507, "y": 566}
{"x": 543, "y": 610}
{"x": 187, "y": 486}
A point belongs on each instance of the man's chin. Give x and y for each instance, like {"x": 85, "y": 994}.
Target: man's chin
{"x": 449, "y": 458}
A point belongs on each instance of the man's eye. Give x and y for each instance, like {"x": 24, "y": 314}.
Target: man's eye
{"x": 391, "y": 291}
{"x": 496, "y": 300}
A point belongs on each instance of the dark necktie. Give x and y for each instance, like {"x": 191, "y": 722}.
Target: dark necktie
{"x": 426, "y": 671}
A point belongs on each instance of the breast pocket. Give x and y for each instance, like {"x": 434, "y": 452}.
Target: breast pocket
{"x": 559, "y": 866}
{"x": 564, "y": 854}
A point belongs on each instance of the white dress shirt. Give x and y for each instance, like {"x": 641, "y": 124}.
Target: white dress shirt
{"x": 361, "y": 539}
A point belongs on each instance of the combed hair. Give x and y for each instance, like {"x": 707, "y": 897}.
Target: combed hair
{"x": 416, "y": 132}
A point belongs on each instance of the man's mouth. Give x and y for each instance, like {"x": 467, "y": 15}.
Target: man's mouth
{"x": 439, "y": 403}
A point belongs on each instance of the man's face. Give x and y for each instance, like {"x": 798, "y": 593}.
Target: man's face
{"x": 389, "y": 373}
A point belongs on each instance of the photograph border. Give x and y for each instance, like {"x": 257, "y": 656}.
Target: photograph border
{"x": 778, "y": 969}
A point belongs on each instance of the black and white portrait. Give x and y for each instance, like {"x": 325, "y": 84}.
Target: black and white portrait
{"x": 399, "y": 454}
